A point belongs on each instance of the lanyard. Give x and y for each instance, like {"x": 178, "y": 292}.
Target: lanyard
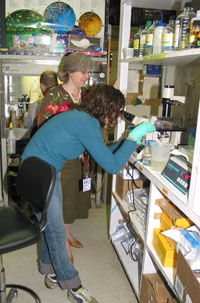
{"x": 85, "y": 158}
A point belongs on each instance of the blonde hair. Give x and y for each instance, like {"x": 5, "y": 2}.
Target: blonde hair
{"x": 73, "y": 63}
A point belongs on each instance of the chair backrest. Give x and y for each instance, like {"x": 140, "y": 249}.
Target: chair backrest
{"x": 35, "y": 183}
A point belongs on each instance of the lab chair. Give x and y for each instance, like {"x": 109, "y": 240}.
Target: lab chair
{"x": 35, "y": 183}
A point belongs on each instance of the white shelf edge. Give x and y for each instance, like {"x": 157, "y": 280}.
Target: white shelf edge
{"x": 126, "y": 208}
{"x": 176, "y": 58}
{"x": 167, "y": 272}
{"x": 168, "y": 189}
{"x": 130, "y": 267}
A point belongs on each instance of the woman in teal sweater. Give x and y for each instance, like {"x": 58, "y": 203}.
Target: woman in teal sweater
{"x": 65, "y": 137}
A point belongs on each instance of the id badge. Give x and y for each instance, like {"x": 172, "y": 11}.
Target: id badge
{"x": 85, "y": 184}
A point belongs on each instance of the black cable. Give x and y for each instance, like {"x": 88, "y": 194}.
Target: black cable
{"x": 131, "y": 250}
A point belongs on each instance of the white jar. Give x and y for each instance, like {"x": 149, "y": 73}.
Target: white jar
{"x": 157, "y": 38}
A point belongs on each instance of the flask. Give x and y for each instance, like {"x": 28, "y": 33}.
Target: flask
{"x": 182, "y": 30}
{"x": 143, "y": 37}
{"x": 168, "y": 35}
{"x": 149, "y": 39}
{"x": 194, "y": 39}
{"x": 136, "y": 43}
{"x": 11, "y": 141}
{"x": 158, "y": 37}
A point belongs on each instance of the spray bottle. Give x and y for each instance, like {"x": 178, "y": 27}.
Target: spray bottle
{"x": 11, "y": 141}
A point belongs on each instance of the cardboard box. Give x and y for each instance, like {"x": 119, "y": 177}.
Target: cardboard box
{"x": 123, "y": 186}
{"x": 186, "y": 285}
{"x": 153, "y": 290}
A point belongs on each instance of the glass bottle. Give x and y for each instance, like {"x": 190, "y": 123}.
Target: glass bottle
{"x": 168, "y": 35}
{"x": 143, "y": 37}
{"x": 195, "y": 31}
{"x": 136, "y": 43}
{"x": 182, "y": 30}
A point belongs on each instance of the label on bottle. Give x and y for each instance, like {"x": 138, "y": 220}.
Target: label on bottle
{"x": 191, "y": 40}
{"x": 136, "y": 44}
{"x": 11, "y": 146}
{"x": 149, "y": 42}
{"x": 167, "y": 42}
{"x": 185, "y": 30}
{"x": 177, "y": 35}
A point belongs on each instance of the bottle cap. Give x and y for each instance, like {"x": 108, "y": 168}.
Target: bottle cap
{"x": 148, "y": 23}
{"x": 160, "y": 24}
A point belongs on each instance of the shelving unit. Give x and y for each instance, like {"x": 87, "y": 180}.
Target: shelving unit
{"x": 159, "y": 186}
{"x": 186, "y": 57}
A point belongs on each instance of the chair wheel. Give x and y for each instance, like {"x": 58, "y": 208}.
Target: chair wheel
{"x": 15, "y": 295}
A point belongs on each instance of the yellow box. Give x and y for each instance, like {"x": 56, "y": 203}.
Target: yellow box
{"x": 165, "y": 249}
{"x": 178, "y": 219}
{"x": 165, "y": 222}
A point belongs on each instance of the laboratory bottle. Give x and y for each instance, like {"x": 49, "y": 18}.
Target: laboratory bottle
{"x": 130, "y": 44}
{"x": 168, "y": 35}
{"x": 182, "y": 30}
{"x": 143, "y": 37}
{"x": 149, "y": 39}
{"x": 11, "y": 141}
{"x": 158, "y": 37}
{"x": 195, "y": 31}
{"x": 136, "y": 43}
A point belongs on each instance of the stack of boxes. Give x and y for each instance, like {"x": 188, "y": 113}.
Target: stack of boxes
{"x": 164, "y": 246}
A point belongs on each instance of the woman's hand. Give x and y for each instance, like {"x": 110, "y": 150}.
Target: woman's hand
{"x": 141, "y": 130}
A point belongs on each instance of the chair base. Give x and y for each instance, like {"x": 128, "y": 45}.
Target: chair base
{"x": 13, "y": 293}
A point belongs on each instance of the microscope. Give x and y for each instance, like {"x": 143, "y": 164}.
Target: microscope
{"x": 167, "y": 124}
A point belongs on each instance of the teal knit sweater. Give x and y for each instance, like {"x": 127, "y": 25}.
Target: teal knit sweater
{"x": 66, "y": 135}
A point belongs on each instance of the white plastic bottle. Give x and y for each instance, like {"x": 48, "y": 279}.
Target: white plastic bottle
{"x": 182, "y": 30}
{"x": 143, "y": 37}
{"x": 158, "y": 37}
{"x": 149, "y": 39}
{"x": 168, "y": 35}
{"x": 11, "y": 141}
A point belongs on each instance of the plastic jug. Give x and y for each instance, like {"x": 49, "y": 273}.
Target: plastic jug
{"x": 159, "y": 155}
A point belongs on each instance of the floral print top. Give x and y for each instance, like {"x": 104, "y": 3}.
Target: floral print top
{"x": 56, "y": 100}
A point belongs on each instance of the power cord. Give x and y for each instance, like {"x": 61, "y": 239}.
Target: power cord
{"x": 130, "y": 249}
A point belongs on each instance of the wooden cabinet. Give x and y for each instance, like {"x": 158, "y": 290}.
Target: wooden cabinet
{"x": 176, "y": 64}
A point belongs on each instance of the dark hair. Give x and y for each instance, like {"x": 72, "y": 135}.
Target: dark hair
{"x": 48, "y": 79}
{"x": 103, "y": 101}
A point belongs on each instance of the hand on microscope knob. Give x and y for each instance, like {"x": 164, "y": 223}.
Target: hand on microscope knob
{"x": 141, "y": 130}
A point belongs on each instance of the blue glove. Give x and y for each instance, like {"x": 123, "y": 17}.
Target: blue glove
{"x": 141, "y": 130}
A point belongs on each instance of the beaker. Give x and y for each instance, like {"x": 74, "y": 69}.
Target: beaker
{"x": 159, "y": 155}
